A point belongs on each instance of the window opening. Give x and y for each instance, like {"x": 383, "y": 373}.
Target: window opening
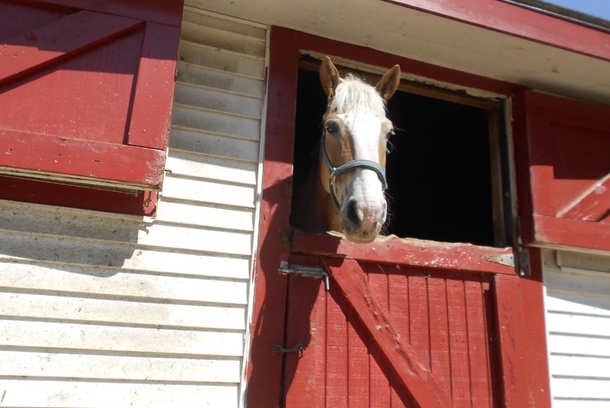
{"x": 447, "y": 165}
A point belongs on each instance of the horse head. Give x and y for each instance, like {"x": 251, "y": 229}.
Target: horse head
{"x": 353, "y": 149}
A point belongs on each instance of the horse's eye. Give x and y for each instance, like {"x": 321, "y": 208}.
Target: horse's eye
{"x": 332, "y": 126}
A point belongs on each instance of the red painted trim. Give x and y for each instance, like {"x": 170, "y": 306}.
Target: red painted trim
{"x": 42, "y": 192}
{"x": 265, "y": 365}
{"x": 573, "y": 233}
{"x": 67, "y": 36}
{"x": 593, "y": 206}
{"x": 410, "y": 376}
{"x": 82, "y": 158}
{"x": 522, "y": 341}
{"x": 426, "y": 254}
{"x": 567, "y": 111}
{"x": 508, "y": 18}
{"x": 152, "y": 103}
{"x": 160, "y": 11}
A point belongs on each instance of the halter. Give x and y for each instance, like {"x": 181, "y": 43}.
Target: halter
{"x": 334, "y": 172}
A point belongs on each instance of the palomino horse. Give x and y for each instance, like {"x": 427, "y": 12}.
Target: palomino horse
{"x": 347, "y": 191}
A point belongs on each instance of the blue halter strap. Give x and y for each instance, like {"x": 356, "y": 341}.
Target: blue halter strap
{"x": 334, "y": 172}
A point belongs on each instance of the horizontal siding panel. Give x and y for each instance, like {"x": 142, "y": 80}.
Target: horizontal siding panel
{"x": 193, "y": 15}
{"x": 96, "y": 226}
{"x": 578, "y": 324}
{"x": 218, "y": 37}
{"x": 208, "y": 191}
{"x": 195, "y": 165}
{"x": 215, "y": 121}
{"x": 197, "y": 239}
{"x": 205, "y": 215}
{"x": 584, "y": 388}
{"x": 577, "y": 304}
{"x": 577, "y": 366}
{"x": 44, "y": 335}
{"x": 117, "y": 284}
{"x": 68, "y": 308}
{"x": 105, "y": 255}
{"x": 220, "y": 59}
{"x": 109, "y": 367}
{"x": 211, "y": 98}
{"x": 580, "y": 403}
{"x": 589, "y": 284}
{"x": 220, "y": 79}
{"x": 583, "y": 261}
{"x": 566, "y": 344}
{"x": 31, "y": 393}
{"x": 202, "y": 142}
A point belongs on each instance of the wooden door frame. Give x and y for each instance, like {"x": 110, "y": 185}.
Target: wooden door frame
{"x": 276, "y": 235}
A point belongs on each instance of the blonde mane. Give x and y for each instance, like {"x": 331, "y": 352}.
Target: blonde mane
{"x": 353, "y": 94}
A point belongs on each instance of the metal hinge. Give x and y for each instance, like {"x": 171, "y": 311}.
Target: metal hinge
{"x": 522, "y": 259}
{"x": 313, "y": 272}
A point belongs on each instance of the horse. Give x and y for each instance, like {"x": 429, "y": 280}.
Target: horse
{"x": 345, "y": 192}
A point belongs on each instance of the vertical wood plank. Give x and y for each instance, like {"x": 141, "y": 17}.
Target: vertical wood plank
{"x": 418, "y": 317}
{"x": 305, "y": 372}
{"x": 154, "y": 91}
{"x": 458, "y": 344}
{"x": 477, "y": 344}
{"x": 520, "y": 319}
{"x": 358, "y": 370}
{"x": 398, "y": 292}
{"x": 336, "y": 356}
{"x": 439, "y": 333}
{"x": 380, "y": 386}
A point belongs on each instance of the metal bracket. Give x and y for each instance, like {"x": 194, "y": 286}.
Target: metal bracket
{"x": 313, "y": 272}
{"x": 297, "y": 348}
{"x": 523, "y": 261}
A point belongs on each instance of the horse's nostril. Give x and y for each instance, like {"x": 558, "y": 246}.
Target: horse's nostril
{"x": 352, "y": 213}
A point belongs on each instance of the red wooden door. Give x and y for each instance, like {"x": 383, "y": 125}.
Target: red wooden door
{"x": 405, "y": 323}
{"x": 569, "y": 171}
{"x": 86, "y": 90}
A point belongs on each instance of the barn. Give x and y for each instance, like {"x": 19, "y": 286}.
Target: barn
{"x": 152, "y": 252}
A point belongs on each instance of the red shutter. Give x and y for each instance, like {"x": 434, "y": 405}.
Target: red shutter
{"x": 86, "y": 90}
{"x": 569, "y": 163}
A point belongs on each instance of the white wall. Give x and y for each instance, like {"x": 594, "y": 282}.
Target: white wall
{"x": 107, "y": 310}
{"x": 577, "y": 303}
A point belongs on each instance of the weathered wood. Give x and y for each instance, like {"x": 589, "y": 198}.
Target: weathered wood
{"x": 410, "y": 376}
{"x": 154, "y": 88}
{"x": 64, "y": 37}
{"x": 80, "y": 161}
{"x": 426, "y": 254}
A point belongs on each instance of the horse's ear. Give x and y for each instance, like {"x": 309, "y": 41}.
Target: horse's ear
{"x": 388, "y": 83}
{"x": 329, "y": 76}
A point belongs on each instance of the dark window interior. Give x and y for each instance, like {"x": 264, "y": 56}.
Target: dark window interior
{"x": 438, "y": 168}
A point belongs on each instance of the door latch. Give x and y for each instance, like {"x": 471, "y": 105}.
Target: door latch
{"x": 297, "y": 348}
{"x": 313, "y": 272}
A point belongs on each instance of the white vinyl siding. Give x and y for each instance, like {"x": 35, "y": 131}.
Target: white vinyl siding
{"x": 109, "y": 310}
{"x": 577, "y": 304}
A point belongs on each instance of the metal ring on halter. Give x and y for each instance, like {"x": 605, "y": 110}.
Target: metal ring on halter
{"x": 334, "y": 172}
